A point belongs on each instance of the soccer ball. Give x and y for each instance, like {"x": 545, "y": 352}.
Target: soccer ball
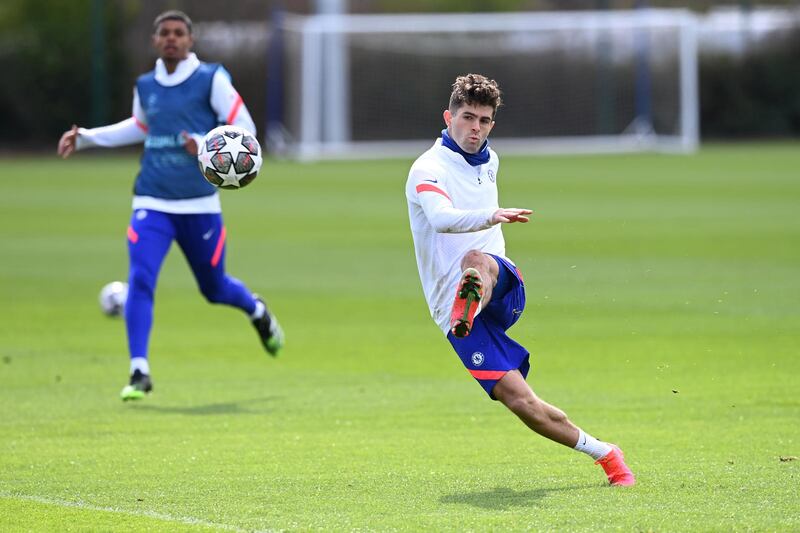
{"x": 229, "y": 157}
{"x": 112, "y": 298}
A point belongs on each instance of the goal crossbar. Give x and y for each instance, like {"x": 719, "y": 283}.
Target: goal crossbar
{"x": 324, "y": 109}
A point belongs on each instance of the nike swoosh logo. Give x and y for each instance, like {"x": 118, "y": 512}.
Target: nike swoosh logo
{"x": 207, "y": 235}
{"x": 432, "y": 181}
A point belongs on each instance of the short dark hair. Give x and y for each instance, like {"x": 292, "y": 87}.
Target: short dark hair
{"x": 172, "y": 14}
{"x": 475, "y": 89}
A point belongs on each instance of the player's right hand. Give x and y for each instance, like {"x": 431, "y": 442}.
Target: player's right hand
{"x": 510, "y": 215}
{"x": 66, "y": 145}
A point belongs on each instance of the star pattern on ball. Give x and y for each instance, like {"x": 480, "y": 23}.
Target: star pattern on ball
{"x": 229, "y": 157}
{"x": 205, "y": 159}
{"x": 233, "y": 146}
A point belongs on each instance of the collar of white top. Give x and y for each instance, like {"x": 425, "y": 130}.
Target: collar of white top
{"x": 453, "y": 156}
{"x": 182, "y": 72}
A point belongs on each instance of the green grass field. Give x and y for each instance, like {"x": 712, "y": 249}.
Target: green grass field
{"x": 663, "y": 315}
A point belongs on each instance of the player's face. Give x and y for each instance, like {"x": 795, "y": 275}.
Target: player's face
{"x": 469, "y": 126}
{"x": 172, "y": 40}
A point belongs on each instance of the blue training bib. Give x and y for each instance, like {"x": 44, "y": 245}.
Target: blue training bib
{"x": 167, "y": 170}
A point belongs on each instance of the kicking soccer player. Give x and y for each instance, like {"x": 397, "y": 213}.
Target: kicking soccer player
{"x": 173, "y": 107}
{"x": 474, "y": 292}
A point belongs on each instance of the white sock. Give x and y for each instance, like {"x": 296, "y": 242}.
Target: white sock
{"x": 140, "y": 364}
{"x": 591, "y": 446}
{"x": 259, "y": 311}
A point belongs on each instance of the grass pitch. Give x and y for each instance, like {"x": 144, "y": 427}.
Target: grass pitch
{"x": 663, "y": 315}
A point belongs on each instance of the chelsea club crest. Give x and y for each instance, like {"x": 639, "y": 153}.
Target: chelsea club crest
{"x": 491, "y": 176}
{"x": 477, "y": 359}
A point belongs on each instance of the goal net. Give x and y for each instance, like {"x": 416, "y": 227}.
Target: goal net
{"x": 360, "y": 86}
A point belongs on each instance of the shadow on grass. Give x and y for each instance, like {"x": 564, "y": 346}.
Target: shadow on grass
{"x": 503, "y": 498}
{"x": 246, "y": 407}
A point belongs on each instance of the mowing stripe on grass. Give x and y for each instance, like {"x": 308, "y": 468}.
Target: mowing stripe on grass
{"x": 188, "y": 520}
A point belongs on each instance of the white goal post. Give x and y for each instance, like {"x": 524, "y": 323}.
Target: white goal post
{"x": 368, "y": 86}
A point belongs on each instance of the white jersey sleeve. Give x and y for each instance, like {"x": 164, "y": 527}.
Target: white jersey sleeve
{"x": 132, "y": 130}
{"x": 431, "y": 194}
{"x": 227, "y": 103}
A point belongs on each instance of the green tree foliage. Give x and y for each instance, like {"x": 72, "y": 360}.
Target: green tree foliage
{"x": 755, "y": 95}
{"x": 46, "y": 60}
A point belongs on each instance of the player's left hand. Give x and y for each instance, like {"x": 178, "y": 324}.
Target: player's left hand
{"x": 189, "y": 143}
{"x": 511, "y": 215}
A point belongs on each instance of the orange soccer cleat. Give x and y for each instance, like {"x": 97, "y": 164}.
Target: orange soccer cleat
{"x": 617, "y": 471}
{"x": 466, "y": 303}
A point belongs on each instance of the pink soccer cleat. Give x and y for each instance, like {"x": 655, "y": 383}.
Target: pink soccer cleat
{"x": 619, "y": 475}
{"x": 465, "y": 306}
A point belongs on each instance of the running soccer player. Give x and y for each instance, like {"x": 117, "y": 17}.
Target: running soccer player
{"x": 174, "y": 106}
{"x": 474, "y": 292}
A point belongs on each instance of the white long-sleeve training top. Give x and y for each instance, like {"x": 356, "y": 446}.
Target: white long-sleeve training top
{"x": 226, "y": 103}
{"x": 450, "y": 208}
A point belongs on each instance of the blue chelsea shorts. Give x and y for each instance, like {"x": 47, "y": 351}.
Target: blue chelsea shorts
{"x": 488, "y": 352}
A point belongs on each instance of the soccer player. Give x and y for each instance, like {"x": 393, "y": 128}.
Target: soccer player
{"x": 174, "y": 106}
{"x": 474, "y": 292}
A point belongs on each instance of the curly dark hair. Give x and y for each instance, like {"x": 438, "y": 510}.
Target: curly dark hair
{"x": 475, "y": 89}
{"x": 172, "y": 14}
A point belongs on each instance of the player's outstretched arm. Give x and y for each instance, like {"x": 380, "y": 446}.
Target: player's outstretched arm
{"x": 66, "y": 145}
{"x": 510, "y": 215}
{"x": 128, "y": 131}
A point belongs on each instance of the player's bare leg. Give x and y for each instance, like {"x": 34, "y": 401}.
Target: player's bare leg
{"x": 487, "y": 266}
{"x": 478, "y": 278}
{"x": 551, "y": 422}
{"x": 546, "y": 420}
